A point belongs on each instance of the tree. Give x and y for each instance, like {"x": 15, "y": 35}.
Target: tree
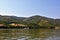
{"x": 33, "y": 25}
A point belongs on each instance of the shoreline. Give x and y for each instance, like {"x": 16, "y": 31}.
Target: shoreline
{"x": 23, "y": 27}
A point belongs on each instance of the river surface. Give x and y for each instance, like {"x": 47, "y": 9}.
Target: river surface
{"x": 29, "y": 34}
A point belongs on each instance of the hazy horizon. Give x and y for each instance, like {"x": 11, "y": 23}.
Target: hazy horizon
{"x": 27, "y": 8}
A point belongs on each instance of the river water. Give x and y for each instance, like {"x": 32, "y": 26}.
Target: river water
{"x": 29, "y": 34}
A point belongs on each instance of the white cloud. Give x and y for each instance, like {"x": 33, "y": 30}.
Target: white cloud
{"x": 5, "y": 12}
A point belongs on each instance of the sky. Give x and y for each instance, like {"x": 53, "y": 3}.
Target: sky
{"x": 26, "y": 8}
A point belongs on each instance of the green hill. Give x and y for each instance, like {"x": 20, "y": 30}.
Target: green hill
{"x": 30, "y": 21}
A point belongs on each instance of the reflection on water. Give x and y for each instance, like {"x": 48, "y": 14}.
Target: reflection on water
{"x": 29, "y": 34}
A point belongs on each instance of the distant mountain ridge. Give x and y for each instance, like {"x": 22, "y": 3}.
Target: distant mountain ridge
{"x": 32, "y": 19}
